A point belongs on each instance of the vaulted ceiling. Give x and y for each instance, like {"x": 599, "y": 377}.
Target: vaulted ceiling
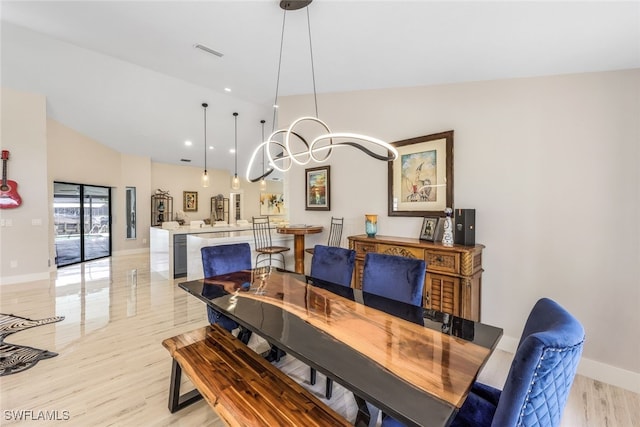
{"x": 127, "y": 74}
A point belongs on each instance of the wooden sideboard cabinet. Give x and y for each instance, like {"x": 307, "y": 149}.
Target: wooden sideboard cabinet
{"x": 454, "y": 274}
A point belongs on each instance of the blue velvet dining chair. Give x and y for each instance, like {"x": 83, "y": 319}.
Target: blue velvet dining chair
{"x": 539, "y": 379}
{"x": 223, "y": 259}
{"x": 331, "y": 264}
{"x": 394, "y": 277}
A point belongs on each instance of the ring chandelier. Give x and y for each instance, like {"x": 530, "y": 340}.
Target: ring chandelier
{"x": 281, "y": 155}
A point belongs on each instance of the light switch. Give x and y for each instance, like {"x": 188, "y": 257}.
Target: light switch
{"x": 36, "y": 221}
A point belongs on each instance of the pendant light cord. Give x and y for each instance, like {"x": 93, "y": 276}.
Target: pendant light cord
{"x": 262, "y": 122}
{"x": 313, "y": 74}
{"x": 235, "y": 170}
{"x": 275, "y": 102}
{"x": 205, "y": 137}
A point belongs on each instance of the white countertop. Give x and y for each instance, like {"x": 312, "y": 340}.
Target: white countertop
{"x": 185, "y": 229}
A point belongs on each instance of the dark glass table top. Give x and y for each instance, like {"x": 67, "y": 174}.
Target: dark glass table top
{"x": 415, "y": 364}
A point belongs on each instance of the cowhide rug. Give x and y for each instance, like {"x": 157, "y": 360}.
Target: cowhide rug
{"x": 17, "y": 358}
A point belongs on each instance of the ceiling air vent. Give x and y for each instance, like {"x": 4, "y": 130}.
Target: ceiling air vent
{"x": 208, "y": 50}
{"x": 185, "y": 160}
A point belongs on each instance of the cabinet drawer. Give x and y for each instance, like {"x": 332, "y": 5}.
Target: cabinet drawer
{"x": 363, "y": 248}
{"x": 447, "y": 262}
{"x": 405, "y": 251}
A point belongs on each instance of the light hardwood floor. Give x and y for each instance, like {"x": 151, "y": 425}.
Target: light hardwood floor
{"x": 113, "y": 371}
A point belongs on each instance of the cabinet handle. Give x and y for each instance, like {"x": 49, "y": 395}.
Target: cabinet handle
{"x": 439, "y": 259}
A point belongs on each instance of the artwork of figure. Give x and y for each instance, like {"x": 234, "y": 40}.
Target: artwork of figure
{"x": 419, "y": 177}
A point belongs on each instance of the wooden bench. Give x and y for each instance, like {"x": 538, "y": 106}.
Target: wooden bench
{"x": 240, "y": 385}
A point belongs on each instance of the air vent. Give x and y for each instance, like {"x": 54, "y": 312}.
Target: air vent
{"x": 185, "y": 160}
{"x": 208, "y": 50}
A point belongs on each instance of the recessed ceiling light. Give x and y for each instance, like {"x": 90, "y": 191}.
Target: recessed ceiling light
{"x": 188, "y": 143}
{"x": 211, "y": 147}
{"x": 226, "y": 89}
{"x": 232, "y": 150}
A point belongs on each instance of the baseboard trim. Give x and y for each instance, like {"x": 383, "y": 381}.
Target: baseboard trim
{"x": 590, "y": 368}
{"x": 12, "y": 280}
{"x": 130, "y": 252}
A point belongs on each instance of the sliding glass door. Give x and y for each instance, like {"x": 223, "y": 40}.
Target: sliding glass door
{"x": 82, "y": 221}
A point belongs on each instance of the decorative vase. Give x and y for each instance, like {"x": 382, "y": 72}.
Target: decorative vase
{"x": 447, "y": 237}
{"x": 371, "y": 225}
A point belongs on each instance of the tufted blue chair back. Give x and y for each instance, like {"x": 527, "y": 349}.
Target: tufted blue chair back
{"x": 543, "y": 368}
{"x": 223, "y": 259}
{"x": 395, "y": 277}
{"x": 333, "y": 264}
{"x": 541, "y": 374}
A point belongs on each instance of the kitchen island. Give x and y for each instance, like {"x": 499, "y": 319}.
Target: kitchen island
{"x": 175, "y": 253}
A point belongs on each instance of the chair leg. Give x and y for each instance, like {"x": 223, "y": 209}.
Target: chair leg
{"x": 312, "y": 376}
{"x": 328, "y": 388}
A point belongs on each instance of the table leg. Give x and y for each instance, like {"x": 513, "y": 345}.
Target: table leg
{"x": 298, "y": 248}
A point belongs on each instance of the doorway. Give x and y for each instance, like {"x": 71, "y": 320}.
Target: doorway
{"x": 82, "y": 222}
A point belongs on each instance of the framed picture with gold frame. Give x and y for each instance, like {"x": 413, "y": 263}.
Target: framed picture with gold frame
{"x": 421, "y": 178}
{"x": 190, "y": 201}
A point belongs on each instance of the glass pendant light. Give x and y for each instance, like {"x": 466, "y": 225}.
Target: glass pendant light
{"x": 235, "y": 182}
{"x": 205, "y": 177}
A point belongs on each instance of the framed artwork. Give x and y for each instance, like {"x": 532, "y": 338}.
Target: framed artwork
{"x": 421, "y": 178}
{"x": 272, "y": 204}
{"x": 318, "y": 189}
{"x": 190, "y": 201}
{"x": 429, "y": 228}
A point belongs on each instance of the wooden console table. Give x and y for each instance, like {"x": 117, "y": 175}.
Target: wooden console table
{"x": 454, "y": 274}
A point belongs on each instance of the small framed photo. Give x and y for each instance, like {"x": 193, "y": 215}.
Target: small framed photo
{"x": 190, "y": 202}
{"x": 429, "y": 230}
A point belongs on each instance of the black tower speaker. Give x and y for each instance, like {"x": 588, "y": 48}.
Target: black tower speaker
{"x": 465, "y": 227}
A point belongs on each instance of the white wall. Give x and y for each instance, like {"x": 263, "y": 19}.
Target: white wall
{"x": 24, "y": 251}
{"x": 549, "y": 164}
{"x": 101, "y": 166}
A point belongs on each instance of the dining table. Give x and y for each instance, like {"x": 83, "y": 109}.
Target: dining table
{"x": 415, "y": 364}
{"x": 299, "y": 232}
